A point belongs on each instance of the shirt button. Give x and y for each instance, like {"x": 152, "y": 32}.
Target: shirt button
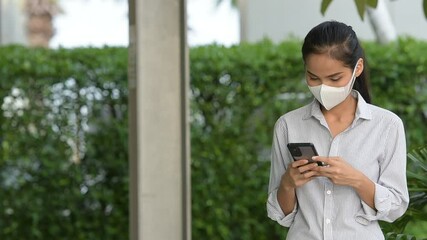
{"x": 328, "y": 192}
{"x": 328, "y": 221}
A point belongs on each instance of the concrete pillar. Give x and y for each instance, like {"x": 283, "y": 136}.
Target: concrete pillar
{"x": 13, "y": 22}
{"x": 158, "y": 121}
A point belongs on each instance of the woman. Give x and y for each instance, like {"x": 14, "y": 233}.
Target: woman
{"x": 362, "y": 145}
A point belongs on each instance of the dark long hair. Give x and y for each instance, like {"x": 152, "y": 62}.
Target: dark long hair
{"x": 341, "y": 43}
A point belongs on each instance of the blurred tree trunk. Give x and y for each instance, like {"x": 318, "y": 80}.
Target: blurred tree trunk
{"x": 381, "y": 23}
{"x": 40, "y": 15}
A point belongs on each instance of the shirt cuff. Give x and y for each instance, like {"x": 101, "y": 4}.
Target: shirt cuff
{"x": 275, "y": 212}
{"x": 382, "y": 203}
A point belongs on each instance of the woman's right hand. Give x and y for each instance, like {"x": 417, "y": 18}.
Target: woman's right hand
{"x": 297, "y": 174}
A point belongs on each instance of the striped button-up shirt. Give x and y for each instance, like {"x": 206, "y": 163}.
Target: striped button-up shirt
{"x": 374, "y": 144}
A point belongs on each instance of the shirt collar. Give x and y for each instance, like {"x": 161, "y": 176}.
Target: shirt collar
{"x": 362, "y": 110}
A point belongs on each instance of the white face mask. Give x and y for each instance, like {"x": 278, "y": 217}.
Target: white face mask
{"x": 329, "y": 96}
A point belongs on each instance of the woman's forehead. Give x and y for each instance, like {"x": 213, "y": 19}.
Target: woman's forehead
{"x": 323, "y": 64}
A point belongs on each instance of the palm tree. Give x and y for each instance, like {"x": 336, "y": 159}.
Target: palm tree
{"x": 40, "y": 15}
{"x": 417, "y": 210}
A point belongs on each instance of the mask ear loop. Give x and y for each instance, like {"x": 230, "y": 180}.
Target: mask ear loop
{"x": 353, "y": 76}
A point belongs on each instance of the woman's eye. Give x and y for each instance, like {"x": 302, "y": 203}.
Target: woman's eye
{"x": 335, "y": 78}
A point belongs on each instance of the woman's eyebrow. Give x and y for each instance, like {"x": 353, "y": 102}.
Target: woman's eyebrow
{"x": 329, "y": 76}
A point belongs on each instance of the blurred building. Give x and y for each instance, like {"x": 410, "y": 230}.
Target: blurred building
{"x": 281, "y": 19}
{"x": 27, "y": 22}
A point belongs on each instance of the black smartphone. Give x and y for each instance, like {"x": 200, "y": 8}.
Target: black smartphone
{"x": 303, "y": 151}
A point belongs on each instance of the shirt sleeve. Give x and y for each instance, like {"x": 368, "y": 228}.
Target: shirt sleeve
{"x": 278, "y": 167}
{"x": 391, "y": 191}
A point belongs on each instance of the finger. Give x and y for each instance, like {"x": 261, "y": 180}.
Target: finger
{"x": 299, "y": 163}
{"x": 329, "y": 172}
{"x": 309, "y": 174}
{"x": 320, "y": 158}
{"x": 327, "y": 169}
{"x": 324, "y": 160}
{"x": 307, "y": 167}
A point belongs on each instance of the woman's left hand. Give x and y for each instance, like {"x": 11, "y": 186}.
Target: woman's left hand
{"x": 338, "y": 171}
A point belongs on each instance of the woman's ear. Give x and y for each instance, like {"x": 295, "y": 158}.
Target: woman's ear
{"x": 359, "y": 67}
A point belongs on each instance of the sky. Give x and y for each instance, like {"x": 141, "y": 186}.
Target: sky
{"x": 75, "y": 27}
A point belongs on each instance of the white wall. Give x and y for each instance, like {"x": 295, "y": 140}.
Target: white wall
{"x": 281, "y": 19}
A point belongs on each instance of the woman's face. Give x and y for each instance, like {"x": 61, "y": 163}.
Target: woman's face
{"x": 322, "y": 69}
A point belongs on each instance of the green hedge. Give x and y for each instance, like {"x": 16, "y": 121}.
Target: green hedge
{"x": 63, "y": 166}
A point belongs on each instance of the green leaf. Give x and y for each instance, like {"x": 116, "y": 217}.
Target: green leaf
{"x": 361, "y": 6}
{"x": 324, "y": 6}
{"x": 404, "y": 237}
{"x": 425, "y": 8}
{"x": 372, "y": 3}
